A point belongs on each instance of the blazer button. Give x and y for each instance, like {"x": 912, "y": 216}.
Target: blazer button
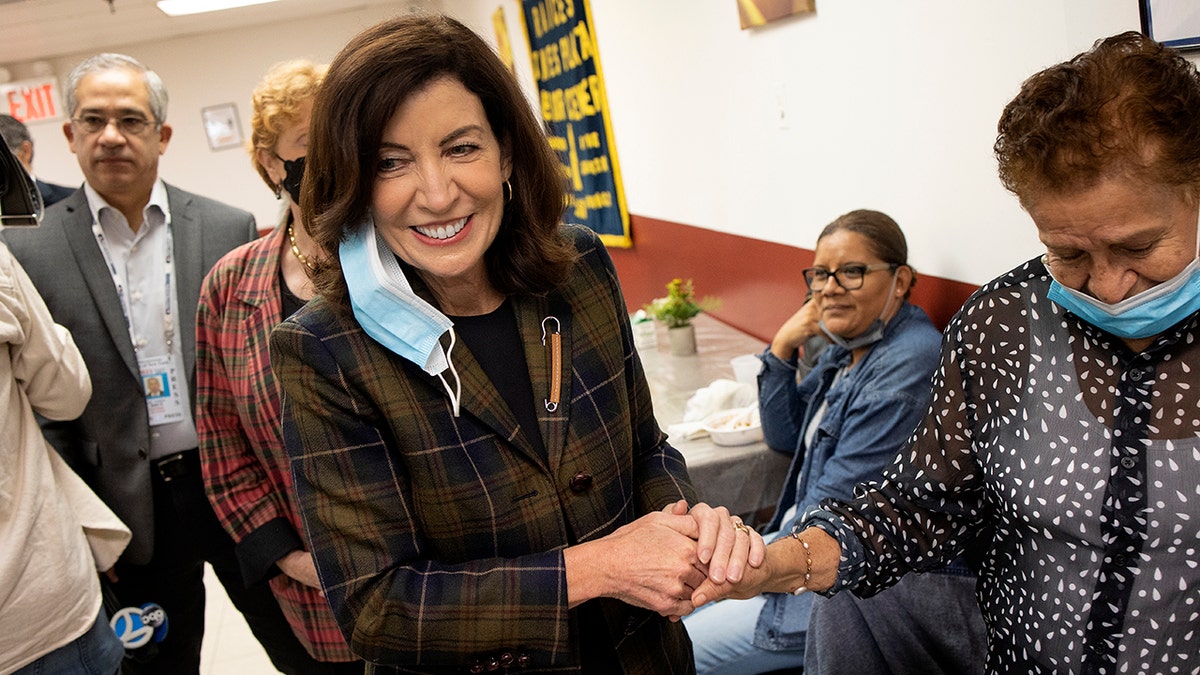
{"x": 142, "y": 453}
{"x": 580, "y": 482}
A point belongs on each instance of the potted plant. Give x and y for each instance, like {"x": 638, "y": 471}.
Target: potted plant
{"x": 676, "y": 311}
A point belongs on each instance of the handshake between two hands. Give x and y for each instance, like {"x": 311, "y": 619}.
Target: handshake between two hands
{"x": 675, "y": 560}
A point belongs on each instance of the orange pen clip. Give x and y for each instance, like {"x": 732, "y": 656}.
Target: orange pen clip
{"x": 555, "y": 362}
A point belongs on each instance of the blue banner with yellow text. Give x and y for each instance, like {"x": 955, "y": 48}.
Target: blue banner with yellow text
{"x": 566, "y": 69}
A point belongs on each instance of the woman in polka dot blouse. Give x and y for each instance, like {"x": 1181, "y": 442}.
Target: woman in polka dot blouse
{"x": 1063, "y": 439}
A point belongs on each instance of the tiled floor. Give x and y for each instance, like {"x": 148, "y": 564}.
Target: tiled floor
{"x": 229, "y": 647}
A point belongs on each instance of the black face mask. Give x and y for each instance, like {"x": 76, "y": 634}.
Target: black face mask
{"x": 294, "y": 169}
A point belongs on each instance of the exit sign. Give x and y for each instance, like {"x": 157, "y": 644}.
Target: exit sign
{"x": 32, "y": 100}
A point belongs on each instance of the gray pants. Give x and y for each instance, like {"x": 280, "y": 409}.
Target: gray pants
{"x": 928, "y": 624}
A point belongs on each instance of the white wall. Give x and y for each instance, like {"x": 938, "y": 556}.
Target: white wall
{"x": 201, "y": 71}
{"x": 887, "y": 105}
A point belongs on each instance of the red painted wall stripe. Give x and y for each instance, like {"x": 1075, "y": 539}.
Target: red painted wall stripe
{"x": 758, "y": 282}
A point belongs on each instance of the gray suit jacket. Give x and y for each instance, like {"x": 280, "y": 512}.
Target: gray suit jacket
{"x": 109, "y": 445}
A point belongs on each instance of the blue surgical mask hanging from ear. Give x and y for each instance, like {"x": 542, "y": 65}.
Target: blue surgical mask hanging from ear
{"x": 389, "y": 311}
{"x": 1144, "y": 315}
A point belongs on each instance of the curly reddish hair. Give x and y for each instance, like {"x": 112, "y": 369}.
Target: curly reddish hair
{"x": 1127, "y": 107}
{"x": 276, "y": 103}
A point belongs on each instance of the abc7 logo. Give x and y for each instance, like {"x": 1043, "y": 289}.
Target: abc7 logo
{"x": 137, "y": 626}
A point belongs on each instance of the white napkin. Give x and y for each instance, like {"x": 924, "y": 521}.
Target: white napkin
{"x": 720, "y": 395}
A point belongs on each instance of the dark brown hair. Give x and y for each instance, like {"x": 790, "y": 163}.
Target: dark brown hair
{"x": 883, "y": 235}
{"x": 370, "y": 78}
{"x": 1127, "y": 107}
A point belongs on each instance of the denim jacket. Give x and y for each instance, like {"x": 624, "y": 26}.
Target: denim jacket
{"x": 872, "y": 411}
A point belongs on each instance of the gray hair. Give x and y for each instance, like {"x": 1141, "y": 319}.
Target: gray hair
{"x": 110, "y": 61}
{"x": 14, "y": 132}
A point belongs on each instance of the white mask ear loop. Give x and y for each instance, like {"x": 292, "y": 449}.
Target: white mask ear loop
{"x": 891, "y": 295}
{"x": 1198, "y": 234}
{"x": 456, "y": 393}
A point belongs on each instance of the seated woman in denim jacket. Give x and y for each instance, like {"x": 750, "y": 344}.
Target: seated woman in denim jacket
{"x": 844, "y": 421}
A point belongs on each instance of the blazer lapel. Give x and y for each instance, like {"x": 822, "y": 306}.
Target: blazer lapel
{"x": 265, "y": 310}
{"x": 480, "y": 397}
{"x": 538, "y": 319}
{"x": 483, "y": 401}
{"x": 82, "y": 242}
{"x": 188, "y": 248}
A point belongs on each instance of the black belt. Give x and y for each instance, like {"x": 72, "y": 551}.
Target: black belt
{"x": 177, "y": 465}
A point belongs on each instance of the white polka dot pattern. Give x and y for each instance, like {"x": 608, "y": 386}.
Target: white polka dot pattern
{"x": 1072, "y": 466}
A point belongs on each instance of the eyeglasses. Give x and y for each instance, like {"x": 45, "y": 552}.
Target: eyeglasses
{"x": 849, "y": 277}
{"x": 129, "y": 125}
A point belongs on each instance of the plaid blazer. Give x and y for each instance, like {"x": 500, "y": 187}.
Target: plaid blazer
{"x": 241, "y": 448}
{"x": 439, "y": 539}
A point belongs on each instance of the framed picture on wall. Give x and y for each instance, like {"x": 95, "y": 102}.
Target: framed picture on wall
{"x": 755, "y": 13}
{"x": 222, "y": 127}
{"x": 1173, "y": 23}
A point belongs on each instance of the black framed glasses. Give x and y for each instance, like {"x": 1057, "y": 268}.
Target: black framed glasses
{"x": 849, "y": 277}
{"x": 129, "y": 125}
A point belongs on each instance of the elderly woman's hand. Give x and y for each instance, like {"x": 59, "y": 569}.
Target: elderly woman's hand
{"x": 658, "y": 561}
{"x": 755, "y": 581}
{"x": 724, "y": 543}
{"x": 649, "y": 563}
{"x": 300, "y": 566}
{"x": 788, "y": 565}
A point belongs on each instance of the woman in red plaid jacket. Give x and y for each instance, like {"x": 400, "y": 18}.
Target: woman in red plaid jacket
{"x": 246, "y": 294}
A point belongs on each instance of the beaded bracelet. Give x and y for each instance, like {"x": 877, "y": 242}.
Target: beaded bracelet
{"x": 807, "y": 564}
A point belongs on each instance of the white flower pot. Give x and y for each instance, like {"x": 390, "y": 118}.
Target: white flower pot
{"x": 682, "y": 340}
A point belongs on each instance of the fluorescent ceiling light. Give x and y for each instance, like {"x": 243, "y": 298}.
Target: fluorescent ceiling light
{"x": 182, "y": 7}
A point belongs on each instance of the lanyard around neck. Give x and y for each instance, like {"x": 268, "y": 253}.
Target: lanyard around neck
{"x": 169, "y": 268}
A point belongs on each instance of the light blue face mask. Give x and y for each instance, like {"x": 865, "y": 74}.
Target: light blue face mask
{"x": 1144, "y": 315}
{"x": 389, "y": 311}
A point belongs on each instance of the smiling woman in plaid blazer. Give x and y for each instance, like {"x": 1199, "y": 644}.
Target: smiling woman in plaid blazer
{"x": 473, "y": 447}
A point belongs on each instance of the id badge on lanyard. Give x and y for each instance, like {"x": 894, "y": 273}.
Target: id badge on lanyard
{"x": 160, "y": 377}
{"x": 160, "y": 381}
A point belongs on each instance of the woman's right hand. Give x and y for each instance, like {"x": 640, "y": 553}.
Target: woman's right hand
{"x": 650, "y": 563}
{"x": 802, "y": 325}
{"x": 299, "y": 565}
{"x": 783, "y": 570}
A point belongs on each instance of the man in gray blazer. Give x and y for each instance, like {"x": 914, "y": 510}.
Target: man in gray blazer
{"x": 119, "y": 263}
